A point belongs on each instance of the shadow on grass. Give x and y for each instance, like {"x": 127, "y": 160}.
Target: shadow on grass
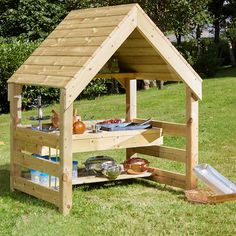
{"x": 144, "y": 182}
{"x": 24, "y": 198}
{"x": 224, "y": 72}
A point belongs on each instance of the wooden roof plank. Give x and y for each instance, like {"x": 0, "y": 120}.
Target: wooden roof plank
{"x": 76, "y": 41}
{"x": 90, "y": 32}
{"x": 141, "y": 60}
{"x": 48, "y": 70}
{"x": 56, "y": 61}
{"x": 92, "y": 23}
{"x": 135, "y": 52}
{"x": 65, "y": 51}
{"x": 101, "y": 11}
{"x": 40, "y": 80}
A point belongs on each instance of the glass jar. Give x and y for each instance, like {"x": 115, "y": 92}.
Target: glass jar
{"x": 44, "y": 179}
{"x": 74, "y": 169}
{"x": 35, "y": 176}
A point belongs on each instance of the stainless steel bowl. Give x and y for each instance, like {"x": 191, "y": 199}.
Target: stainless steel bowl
{"x": 111, "y": 170}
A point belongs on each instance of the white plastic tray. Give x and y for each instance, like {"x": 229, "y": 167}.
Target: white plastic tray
{"x": 214, "y": 180}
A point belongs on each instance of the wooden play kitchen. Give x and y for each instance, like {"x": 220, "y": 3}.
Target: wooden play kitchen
{"x": 68, "y": 59}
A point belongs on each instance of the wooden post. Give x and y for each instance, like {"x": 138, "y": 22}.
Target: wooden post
{"x": 65, "y": 186}
{"x": 14, "y": 96}
{"x": 191, "y": 138}
{"x": 131, "y": 106}
{"x": 131, "y": 99}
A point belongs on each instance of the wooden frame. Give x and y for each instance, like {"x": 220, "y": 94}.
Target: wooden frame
{"x": 71, "y": 56}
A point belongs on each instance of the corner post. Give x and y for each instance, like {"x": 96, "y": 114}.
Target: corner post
{"x": 131, "y": 106}
{"x": 191, "y": 138}
{"x": 65, "y": 186}
{"x": 14, "y": 96}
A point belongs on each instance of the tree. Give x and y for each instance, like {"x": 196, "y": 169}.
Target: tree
{"x": 179, "y": 16}
{"x": 29, "y": 19}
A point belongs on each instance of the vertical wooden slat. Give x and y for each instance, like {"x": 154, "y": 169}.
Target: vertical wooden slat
{"x": 14, "y": 96}
{"x": 191, "y": 138}
{"x": 131, "y": 106}
{"x": 65, "y": 189}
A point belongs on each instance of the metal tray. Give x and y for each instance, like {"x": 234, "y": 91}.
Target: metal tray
{"x": 124, "y": 126}
{"x": 214, "y": 180}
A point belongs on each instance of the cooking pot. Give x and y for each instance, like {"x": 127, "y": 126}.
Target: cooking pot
{"x": 136, "y": 165}
{"x": 95, "y": 163}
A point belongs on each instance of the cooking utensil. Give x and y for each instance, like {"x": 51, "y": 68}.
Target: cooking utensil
{"x": 110, "y": 170}
{"x": 94, "y": 163}
{"x": 136, "y": 165}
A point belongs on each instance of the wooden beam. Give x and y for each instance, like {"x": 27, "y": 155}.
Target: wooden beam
{"x": 28, "y": 135}
{"x": 14, "y": 96}
{"x": 32, "y": 162}
{"x": 131, "y": 106}
{"x": 116, "y": 140}
{"x": 169, "y": 128}
{"x": 47, "y": 194}
{"x": 192, "y": 138}
{"x": 167, "y": 177}
{"x": 65, "y": 185}
{"x": 169, "y": 153}
{"x": 131, "y": 99}
{"x": 139, "y": 76}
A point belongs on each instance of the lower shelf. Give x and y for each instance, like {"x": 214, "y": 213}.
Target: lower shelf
{"x": 95, "y": 179}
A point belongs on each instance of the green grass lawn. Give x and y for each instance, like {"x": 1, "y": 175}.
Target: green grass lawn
{"x": 137, "y": 207}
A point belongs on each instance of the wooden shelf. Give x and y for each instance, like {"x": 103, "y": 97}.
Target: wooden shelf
{"x": 95, "y": 179}
{"x": 106, "y": 140}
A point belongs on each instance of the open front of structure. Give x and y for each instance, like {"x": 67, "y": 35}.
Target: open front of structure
{"x": 74, "y": 54}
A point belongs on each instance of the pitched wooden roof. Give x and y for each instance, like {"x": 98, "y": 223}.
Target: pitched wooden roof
{"x": 72, "y": 55}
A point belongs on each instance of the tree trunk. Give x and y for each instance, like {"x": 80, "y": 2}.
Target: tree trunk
{"x": 217, "y": 31}
{"x": 178, "y": 38}
{"x": 231, "y": 53}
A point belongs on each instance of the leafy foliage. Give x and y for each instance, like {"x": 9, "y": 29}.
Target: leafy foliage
{"x": 29, "y": 19}
{"x": 12, "y": 55}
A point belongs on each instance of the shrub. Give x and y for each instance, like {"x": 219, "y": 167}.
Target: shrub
{"x": 12, "y": 54}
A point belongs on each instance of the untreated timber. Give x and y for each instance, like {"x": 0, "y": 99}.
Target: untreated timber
{"x": 167, "y": 177}
{"x": 36, "y": 190}
{"x": 35, "y": 163}
{"x": 169, "y": 128}
{"x": 37, "y": 137}
{"x": 170, "y": 153}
